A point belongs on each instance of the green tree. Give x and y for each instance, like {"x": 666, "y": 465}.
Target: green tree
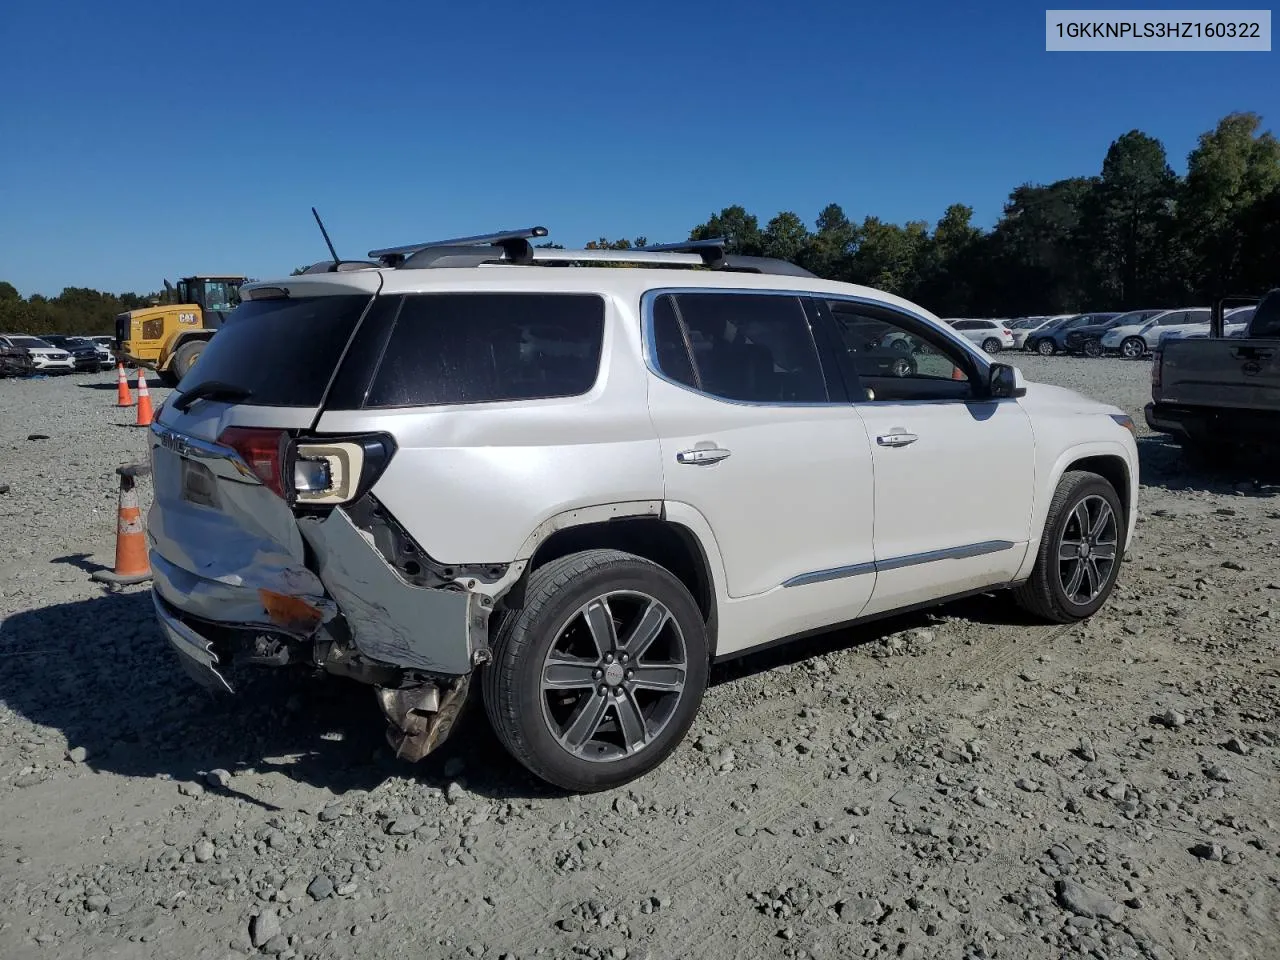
{"x": 785, "y": 237}
{"x": 741, "y": 231}
{"x": 829, "y": 249}
{"x": 1231, "y": 174}
{"x": 1127, "y": 222}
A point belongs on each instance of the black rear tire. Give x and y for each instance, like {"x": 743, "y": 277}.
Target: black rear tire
{"x": 1133, "y": 348}
{"x": 991, "y": 345}
{"x": 1044, "y": 595}
{"x": 514, "y": 695}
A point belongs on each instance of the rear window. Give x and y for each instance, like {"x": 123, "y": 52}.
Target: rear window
{"x": 484, "y": 347}
{"x": 283, "y": 352}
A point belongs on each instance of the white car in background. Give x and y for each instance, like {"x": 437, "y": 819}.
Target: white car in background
{"x": 1134, "y": 342}
{"x": 1235, "y": 323}
{"x": 991, "y": 335}
{"x": 44, "y": 356}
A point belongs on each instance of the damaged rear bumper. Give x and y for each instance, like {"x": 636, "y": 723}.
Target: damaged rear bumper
{"x": 346, "y": 611}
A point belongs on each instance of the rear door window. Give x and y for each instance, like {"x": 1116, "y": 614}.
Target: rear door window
{"x": 484, "y": 347}
{"x": 753, "y": 348}
{"x": 281, "y": 353}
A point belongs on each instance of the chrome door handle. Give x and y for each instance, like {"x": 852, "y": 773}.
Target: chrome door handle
{"x": 700, "y": 456}
{"x": 897, "y": 439}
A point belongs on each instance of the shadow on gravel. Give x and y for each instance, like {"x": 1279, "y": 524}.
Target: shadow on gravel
{"x": 1164, "y": 464}
{"x": 80, "y": 561}
{"x": 993, "y": 609}
{"x": 99, "y": 672}
{"x": 104, "y": 385}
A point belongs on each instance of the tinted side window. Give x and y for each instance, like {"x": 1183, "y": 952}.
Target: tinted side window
{"x": 671, "y": 354}
{"x": 963, "y": 325}
{"x": 484, "y": 347}
{"x": 755, "y": 348}
{"x": 896, "y": 361}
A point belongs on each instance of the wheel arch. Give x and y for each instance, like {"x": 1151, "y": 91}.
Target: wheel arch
{"x": 1111, "y": 461}
{"x": 671, "y": 545}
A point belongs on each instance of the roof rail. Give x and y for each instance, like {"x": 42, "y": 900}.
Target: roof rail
{"x": 515, "y": 243}
{"x": 513, "y": 247}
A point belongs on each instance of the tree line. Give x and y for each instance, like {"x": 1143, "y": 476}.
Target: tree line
{"x": 1133, "y": 235}
{"x": 75, "y": 310}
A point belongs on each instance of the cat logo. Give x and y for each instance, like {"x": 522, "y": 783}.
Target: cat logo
{"x": 190, "y": 318}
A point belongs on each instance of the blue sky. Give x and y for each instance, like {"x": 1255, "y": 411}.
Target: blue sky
{"x": 142, "y": 142}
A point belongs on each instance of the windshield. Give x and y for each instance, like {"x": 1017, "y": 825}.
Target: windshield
{"x": 30, "y": 342}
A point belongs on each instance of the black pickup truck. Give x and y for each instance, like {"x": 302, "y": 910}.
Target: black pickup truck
{"x": 1217, "y": 394}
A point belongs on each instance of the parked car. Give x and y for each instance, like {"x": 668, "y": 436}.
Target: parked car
{"x": 15, "y": 365}
{"x": 1214, "y": 393}
{"x": 1235, "y": 324}
{"x": 1087, "y": 338}
{"x": 1135, "y": 341}
{"x": 632, "y": 473}
{"x": 1023, "y": 327}
{"x": 43, "y": 356}
{"x": 992, "y": 335}
{"x": 1053, "y": 340}
{"x": 1044, "y": 340}
{"x": 84, "y": 354}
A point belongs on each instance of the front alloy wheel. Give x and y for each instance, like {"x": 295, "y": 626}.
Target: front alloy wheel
{"x": 598, "y": 676}
{"x": 1093, "y": 348}
{"x": 1132, "y": 348}
{"x": 1080, "y": 551}
{"x": 1046, "y": 348}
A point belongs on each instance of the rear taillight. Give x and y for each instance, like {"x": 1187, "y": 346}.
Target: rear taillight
{"x": 1157, "y": 365}
{"x": 263, "y": 451}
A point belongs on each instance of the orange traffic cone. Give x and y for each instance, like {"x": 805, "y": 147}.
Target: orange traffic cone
{"x": 144, "y": 401}
{"x": 132, "y": 563}
{"x": 123, "y": 398}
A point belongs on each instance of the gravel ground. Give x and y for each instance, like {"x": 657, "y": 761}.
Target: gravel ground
{"x": 955, "y": 784}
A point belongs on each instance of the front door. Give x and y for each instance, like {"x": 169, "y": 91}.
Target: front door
{"x": 954, "y": 472}
{"x": 754, "y": 439}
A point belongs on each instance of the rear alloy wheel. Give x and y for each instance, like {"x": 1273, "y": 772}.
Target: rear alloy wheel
{"x": 1080, "y": 551}
{"x": 991, "y": 345}
{"x": 1046, "y": 348}
{"x": 598, "y": 677}
{"x": 1093, "y": 347}
{"x": 1133, "y": 348}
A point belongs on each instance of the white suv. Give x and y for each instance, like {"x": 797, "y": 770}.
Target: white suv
{"x": 992, "y": 335}
{"x": 1136, "y": 341}
{"x": 570, "y": 490}
{"x": 40, "y": 354}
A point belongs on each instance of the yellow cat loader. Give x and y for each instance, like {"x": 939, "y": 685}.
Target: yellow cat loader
{"x": 169, "y": 337}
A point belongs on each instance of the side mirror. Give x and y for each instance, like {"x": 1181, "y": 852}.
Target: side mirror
{"x": 1005, "y": 381}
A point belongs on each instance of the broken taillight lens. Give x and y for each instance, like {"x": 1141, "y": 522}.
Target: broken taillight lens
{"x": 262, "y": 449}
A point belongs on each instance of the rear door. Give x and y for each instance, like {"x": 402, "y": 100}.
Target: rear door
{"x": 759, "y": 439}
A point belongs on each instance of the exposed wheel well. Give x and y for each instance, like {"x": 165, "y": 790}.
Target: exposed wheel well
{"x": 1112, "y": 469}
{"x": 669, "y": 545}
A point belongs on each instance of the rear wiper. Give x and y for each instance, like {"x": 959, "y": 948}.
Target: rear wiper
{"x": 211, "y": 390}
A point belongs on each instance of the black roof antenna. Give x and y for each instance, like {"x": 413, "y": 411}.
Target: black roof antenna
{"x": 327, "y": 241}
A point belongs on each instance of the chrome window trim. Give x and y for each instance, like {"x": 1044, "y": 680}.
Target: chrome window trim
{"x": 897, "y": 563}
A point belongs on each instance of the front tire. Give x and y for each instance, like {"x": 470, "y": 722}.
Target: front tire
{"x": 1080, "y": 551}
{"x": 185, "y": 358}
{"x": 1046, "y": 348}
{"x": 991, "y": 345}
{"x": 1133, "y": 348}
{"x": 598, "y": 677}
{"x": 1093, "y": 348}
